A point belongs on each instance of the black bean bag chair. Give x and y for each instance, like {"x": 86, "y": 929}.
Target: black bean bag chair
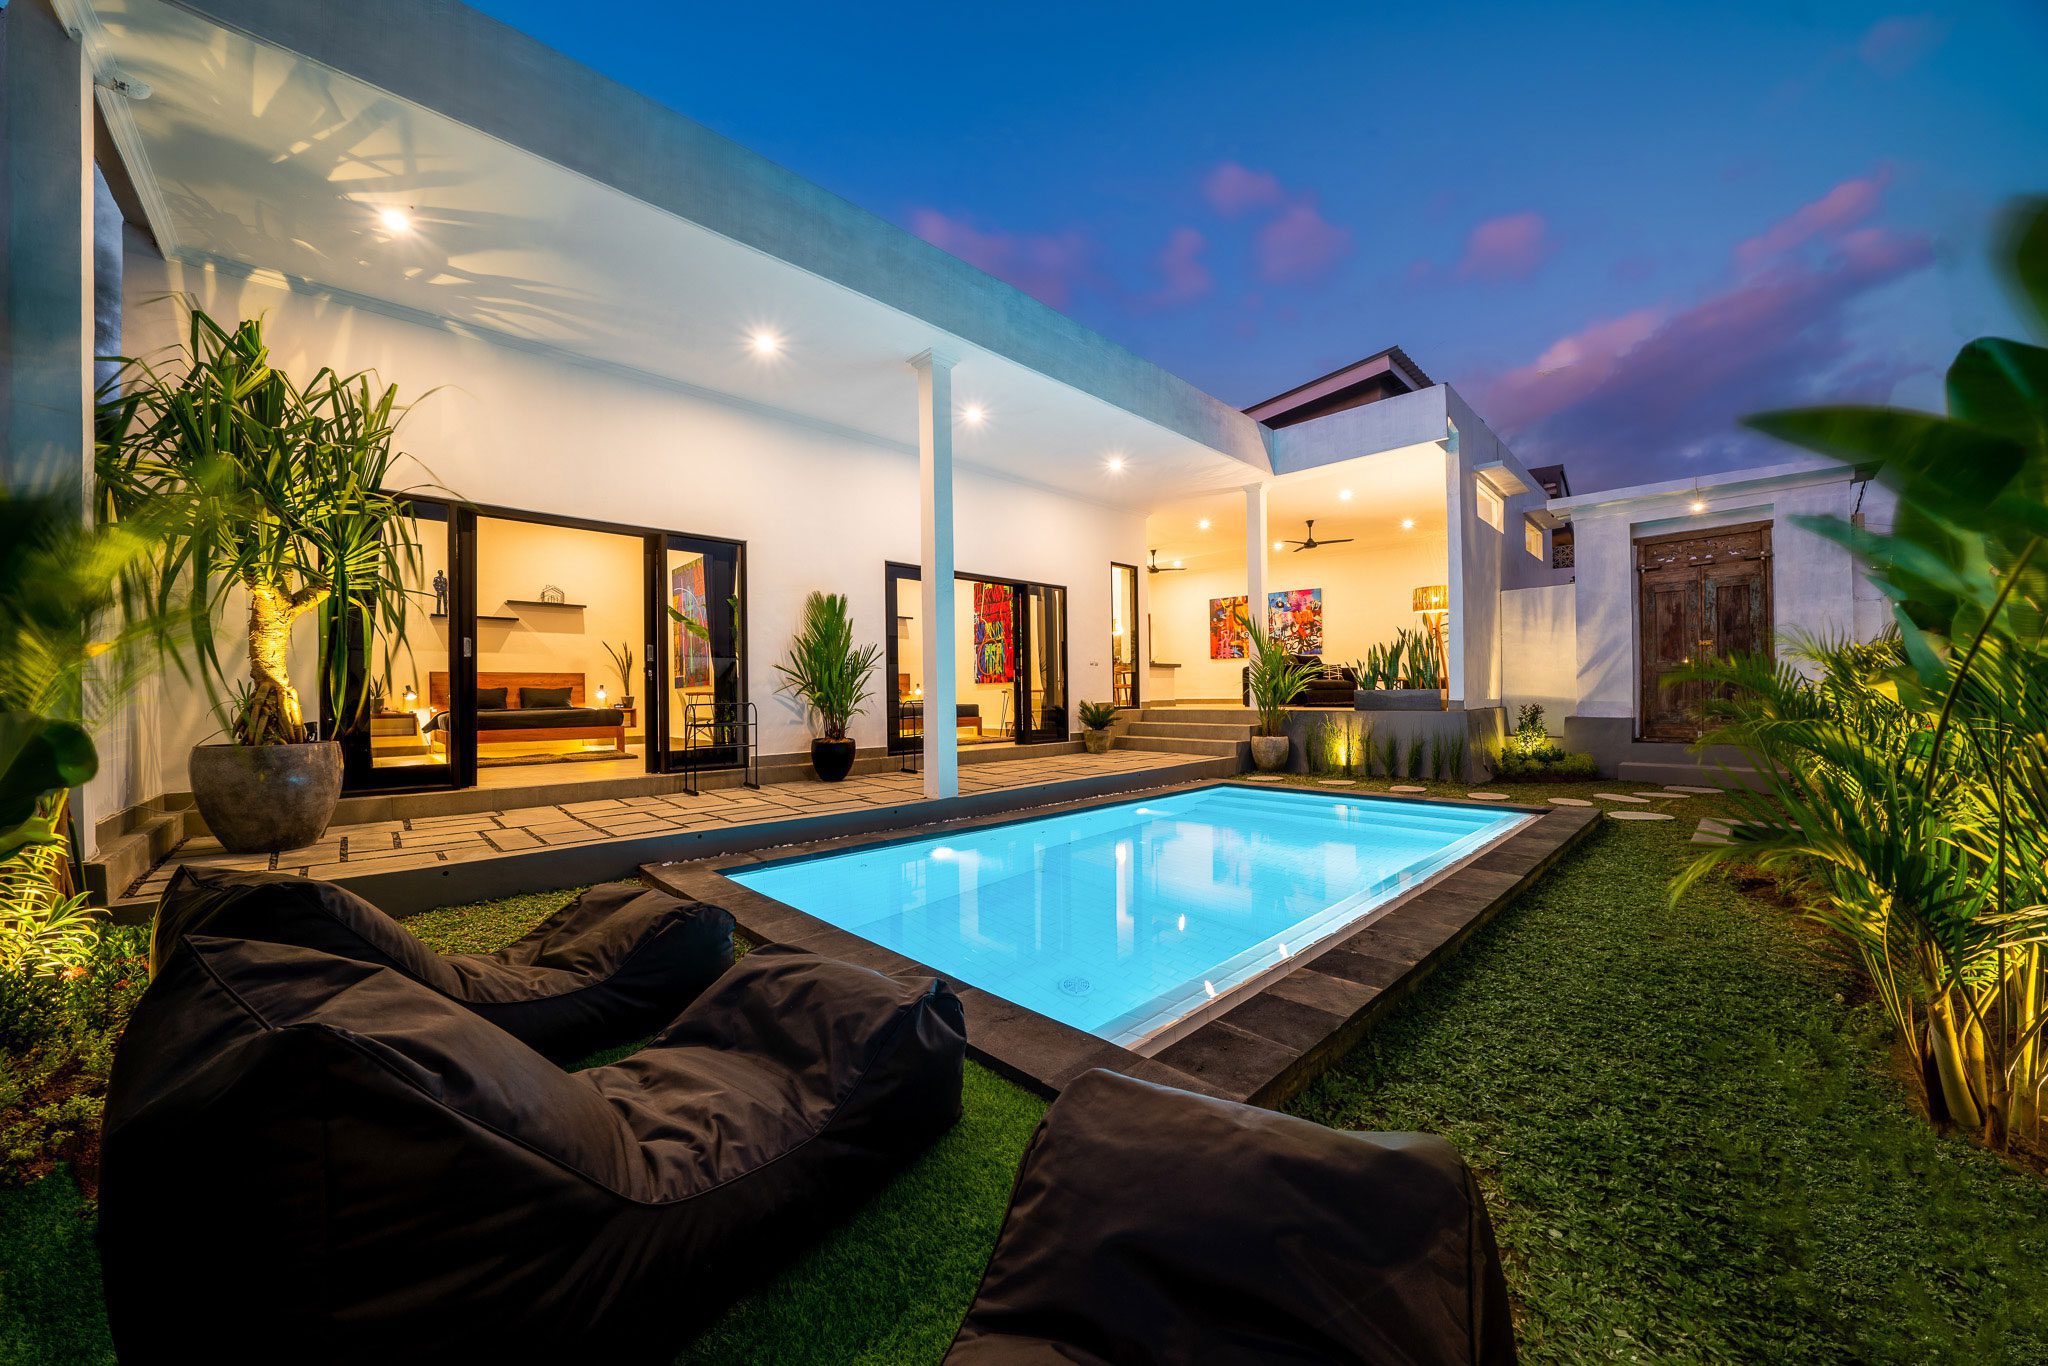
{"x": 1151, "y": 1225}
{"x": 315, "y": 1159}
{"x": 611, "y": 967}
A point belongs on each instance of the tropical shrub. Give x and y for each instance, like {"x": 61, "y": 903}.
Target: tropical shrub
{"x": 1425, "y": 662}
{"x": 824, "y": 668}
{"x": 1381, "y": 667}
{"x": 255, "y": 483}
{"x": 1096, "y": 715}
{"x": 1275, "y": 679}
{"x": 1906, "y": 782}
{"x": 1552, "y": 766}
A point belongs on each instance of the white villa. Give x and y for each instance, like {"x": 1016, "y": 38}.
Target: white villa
{"x": 653, "y": 369}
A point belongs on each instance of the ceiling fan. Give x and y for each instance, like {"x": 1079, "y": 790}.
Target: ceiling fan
{"x": 1153, "y": 566}
{"x": 1311, "y": 543}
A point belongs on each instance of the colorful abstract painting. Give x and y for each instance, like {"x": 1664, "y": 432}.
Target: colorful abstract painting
{"x": 1226, "y": 628}
{"x": 1294, "y": 618}
{"x": 692, "y": 651}
{"x": 995, "y": 646}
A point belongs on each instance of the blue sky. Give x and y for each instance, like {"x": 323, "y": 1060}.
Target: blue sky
{"x": 1614, "y": 228}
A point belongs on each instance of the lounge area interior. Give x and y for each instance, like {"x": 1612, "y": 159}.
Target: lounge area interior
{"x": 1011, "y": 662}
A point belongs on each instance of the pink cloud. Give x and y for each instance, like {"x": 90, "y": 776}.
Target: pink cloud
{"x": 1180, "y": 266}
{"x": 1045, "y": 266}
{"x": 1300, "y": 244}
{"x": 1231, "y": 189}
{"x": 1894, "y": 46}
{"x": 1506, "y": 248}
{"x": 1646, "y": 390}
{"x": 1840, "y": 209}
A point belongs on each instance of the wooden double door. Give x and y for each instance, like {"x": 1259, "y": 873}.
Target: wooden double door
{"x": 1699, "y": 596}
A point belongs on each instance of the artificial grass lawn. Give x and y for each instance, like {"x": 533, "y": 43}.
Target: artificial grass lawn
{"x": 1685, "y": 1119}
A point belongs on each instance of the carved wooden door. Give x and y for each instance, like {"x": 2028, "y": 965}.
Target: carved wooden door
{"x": 1698, "y": 596}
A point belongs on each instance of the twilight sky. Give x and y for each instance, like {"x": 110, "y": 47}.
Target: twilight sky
{"x": 1614, "y": 228}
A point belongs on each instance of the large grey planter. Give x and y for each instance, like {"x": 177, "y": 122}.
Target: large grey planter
{"x": 1269, "y": 753}
{"x": 1397, "y": 699}
{"x": 262, "y": 798}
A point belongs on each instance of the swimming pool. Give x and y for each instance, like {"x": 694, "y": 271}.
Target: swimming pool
{"x": 1122, "y": 920}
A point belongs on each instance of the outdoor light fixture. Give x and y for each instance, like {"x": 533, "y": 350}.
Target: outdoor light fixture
{"x": 1115, "y": 464}
{"x": 1699, "y": 505}
{"x": 395, "y": 220}
{"x": 1407, "y": 524}
{"x": 973, "y": 414}
{"x": 765, "y": 343}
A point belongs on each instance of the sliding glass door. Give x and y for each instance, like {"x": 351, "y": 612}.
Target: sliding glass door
{"x": 1123, "y": 635}
{"x": 695, "y": 681}
{"x": 1010, "y": 665}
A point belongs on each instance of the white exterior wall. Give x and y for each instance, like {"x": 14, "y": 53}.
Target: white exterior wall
{"x": 1539, "y": 651}
{"x": 515, "y": 429}
{"x": 1816, "y": 585}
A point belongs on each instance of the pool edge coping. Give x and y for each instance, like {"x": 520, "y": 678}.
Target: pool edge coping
{"x": 1264, "y": 1048}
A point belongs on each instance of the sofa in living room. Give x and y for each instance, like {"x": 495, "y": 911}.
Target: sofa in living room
{"x": 1331, "y": 687}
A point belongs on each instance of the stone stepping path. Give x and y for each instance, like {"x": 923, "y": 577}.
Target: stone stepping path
{"x": 1489, "y": 796}
{"x": 1711, "y": 831}
{"x": 1569, "y": 801}
{"x": 1640, "y": 816}
{"x": 1262, "y": 777}
{"x": 1694, "y": 791}
{"x": 1406, "y": 788}
{"x": 1619, "y": 797}
{"x": 1663, "y": 796}
{"x": 1335, "y": 782}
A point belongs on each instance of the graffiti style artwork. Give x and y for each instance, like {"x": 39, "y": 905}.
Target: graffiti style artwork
{"x": 1226, "y": 628}
{"x": 692, "y": 653}
{"x": 1294, "y": 618}
{"x": 995, "y": 645}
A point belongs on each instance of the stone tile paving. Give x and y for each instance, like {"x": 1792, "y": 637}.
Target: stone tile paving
{"x": 421, "y": 840}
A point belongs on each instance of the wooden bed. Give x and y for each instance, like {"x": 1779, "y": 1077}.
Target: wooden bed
{"x": 437, "y": 697}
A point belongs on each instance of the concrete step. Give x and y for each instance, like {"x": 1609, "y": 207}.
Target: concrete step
{"x": 1201, "y": 716}
{"x": 124, "y": 860}
{"x": 1208, "y": 749}
{"x": 1684, "y": 774}
{"x": 1189, "y": 730}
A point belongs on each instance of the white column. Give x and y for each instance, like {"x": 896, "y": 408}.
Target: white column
{"x": 1256, "y": 547}
{"x": 941, "y": 646}
{"x": 46, "y": 183}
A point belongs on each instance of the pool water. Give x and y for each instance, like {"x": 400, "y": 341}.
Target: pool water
{"x": 1121, "y": 920}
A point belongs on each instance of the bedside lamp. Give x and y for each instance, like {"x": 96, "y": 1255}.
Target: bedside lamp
{"x": 600, "y": 694}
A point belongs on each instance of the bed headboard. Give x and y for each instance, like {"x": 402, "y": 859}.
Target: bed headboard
{"x": 437, "y": 686}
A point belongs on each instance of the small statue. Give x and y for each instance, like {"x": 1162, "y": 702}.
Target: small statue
{"x": 440, "y": 593}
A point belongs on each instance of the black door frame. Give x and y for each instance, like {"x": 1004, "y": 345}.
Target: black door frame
{"x": 1137, "y": 664}
{"x": 461, "y": 770}
{"x": 655, "y": 663}
{"x": 894, "y": 571}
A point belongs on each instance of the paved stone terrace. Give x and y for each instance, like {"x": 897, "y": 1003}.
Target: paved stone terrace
{"x": 421, "y": 842}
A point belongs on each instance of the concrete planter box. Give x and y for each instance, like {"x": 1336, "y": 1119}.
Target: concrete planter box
{"x": 1397, "y": 699}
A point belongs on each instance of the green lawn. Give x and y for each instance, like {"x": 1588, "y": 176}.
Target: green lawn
{"x": 1685, "y": 1119}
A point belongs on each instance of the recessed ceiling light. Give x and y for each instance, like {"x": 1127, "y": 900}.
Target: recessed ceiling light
{"x": 395, "y": 219}
{"x": 1115, "y": 464}
{"x": 1203, "y": 524}
{"x": 1279, "y": 545}
{"x": 1178, "y": 565}
{"x": 764, "y": 343}
{"x": 1407, "y": 524}
{"x": 1343, "y": 495}
{"x": 973, "y": 414}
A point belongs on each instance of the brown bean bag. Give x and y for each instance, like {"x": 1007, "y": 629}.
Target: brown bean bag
{"x": 1151, "y": 1225}
{"x": 611, "y": 967}
{"x": 315, "y": 1159}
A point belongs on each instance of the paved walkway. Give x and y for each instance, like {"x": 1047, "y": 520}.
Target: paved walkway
{"x": 420, "y": 841}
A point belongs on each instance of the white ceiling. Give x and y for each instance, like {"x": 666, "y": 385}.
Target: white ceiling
{"x": 1385, "y": 488}
{"x": 256, "y": 156}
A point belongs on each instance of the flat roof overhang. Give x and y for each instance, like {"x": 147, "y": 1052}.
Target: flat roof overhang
{"x": 556, "y": 210}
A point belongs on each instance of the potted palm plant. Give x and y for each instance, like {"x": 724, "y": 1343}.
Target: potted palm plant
{"x": 1276, "y": 680}
{"x": 1095, "y": 722}
{"x": 622, "y": 660}
{"x": 830, "y": 675}
{"x": 257, "y": 486}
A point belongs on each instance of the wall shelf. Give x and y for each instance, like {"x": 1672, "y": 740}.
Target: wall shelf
{"x": 480, "y": 616}
{"x": 539, "y": 602}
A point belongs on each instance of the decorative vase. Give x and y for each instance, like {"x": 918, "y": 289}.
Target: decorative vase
{"x": 263, "y": 798}
{"x": 1269, "y": 753}
{"x": 625, "y": 703}
{"x": 1097, "y": 741}
{"x": 831, "y": 760}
